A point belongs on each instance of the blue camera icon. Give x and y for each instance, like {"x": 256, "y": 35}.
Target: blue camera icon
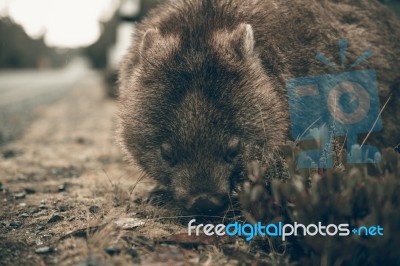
{"x": 339, "y": 104}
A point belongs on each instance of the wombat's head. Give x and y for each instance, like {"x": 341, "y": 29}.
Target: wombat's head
{"x": 195, "y": 108}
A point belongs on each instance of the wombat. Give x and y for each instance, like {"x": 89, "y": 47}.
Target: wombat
{"x": 202, "y": 88}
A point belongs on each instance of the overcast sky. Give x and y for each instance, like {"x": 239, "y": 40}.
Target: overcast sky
{"x": 64, "y": 23}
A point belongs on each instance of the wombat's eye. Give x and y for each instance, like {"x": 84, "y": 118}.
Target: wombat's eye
{"x": 168, "y": 154}
{"x": 232, "y": 149}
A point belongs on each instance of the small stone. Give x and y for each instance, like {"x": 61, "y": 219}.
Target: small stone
{"x": 43, "y": 250}
{"x": 63, "y": 208}
{"x": 30, "y": 191}
{"x": 70, "y": 219}
{"x": 24, "y": 215}
{"x": 55, "y": 218}
{"x": 22, "y": 204}
{"x": 62, "y": 188}
{"x": 94, "y": 209}
{"x": 42, "y": 206}
{"x": 129, "y": 223}
{"x": 41, "y": 227}
{"x": 20, "y": 195}
{"x": 112, "y": 251}
{"x": 16, "y": 224}
{"x": 33, "y": 210}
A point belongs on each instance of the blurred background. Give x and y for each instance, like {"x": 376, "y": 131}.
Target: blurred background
{"x": 46, "y": 46}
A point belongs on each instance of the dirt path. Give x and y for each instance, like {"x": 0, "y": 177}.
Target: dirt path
{"x": 68, "y": 198}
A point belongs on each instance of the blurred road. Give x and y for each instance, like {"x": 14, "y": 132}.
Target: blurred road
{"x": 22, "y": 92}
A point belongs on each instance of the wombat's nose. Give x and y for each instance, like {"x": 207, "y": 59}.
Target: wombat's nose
{"x": 208, "y": 204}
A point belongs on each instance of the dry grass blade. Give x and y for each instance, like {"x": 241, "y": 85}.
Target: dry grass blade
{"x": 376, "y": 120}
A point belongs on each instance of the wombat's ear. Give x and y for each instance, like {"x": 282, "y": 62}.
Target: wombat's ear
{"x": 154, "y": 45}
{"x": 243, "y": 39}
{"x": 148, "y": 40}
{"x": 235, "y": 44}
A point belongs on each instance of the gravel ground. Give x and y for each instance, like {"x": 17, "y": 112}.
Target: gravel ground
{"x": 68, "y": 197}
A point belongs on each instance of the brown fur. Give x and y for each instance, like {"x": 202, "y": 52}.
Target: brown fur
{"x": 202, "y": 73}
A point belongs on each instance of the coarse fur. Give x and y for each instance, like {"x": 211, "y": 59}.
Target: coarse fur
{"x": 202, "y": 87}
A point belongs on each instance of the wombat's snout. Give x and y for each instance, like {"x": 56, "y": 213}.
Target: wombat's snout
{"x": 207, "y": 204}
